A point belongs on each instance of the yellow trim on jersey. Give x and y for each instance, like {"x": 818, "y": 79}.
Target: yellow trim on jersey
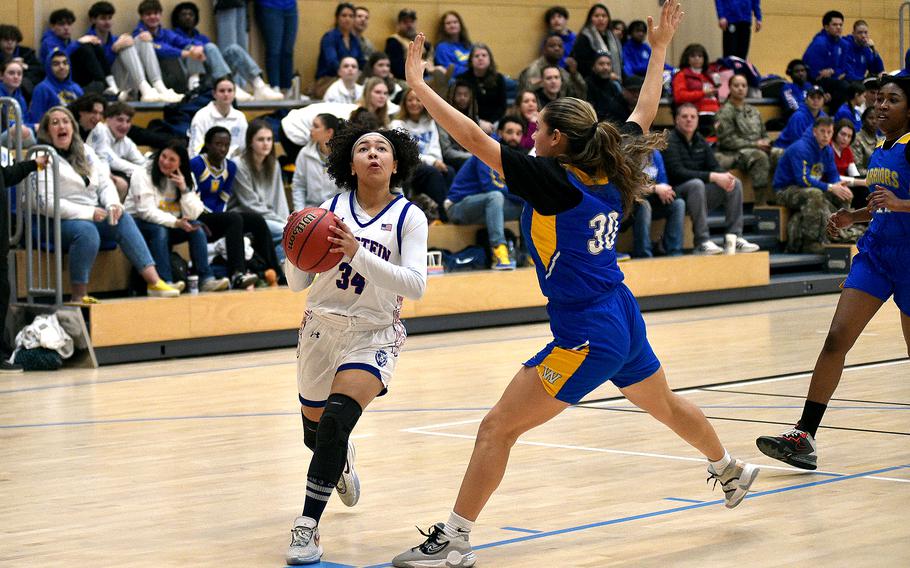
{"x": 559, "y": 366}
{"x": 904, "y": 139}
{"x": 586, "y": 179}
{"x": 880, "y": 143}
{"x": 543, "y": 235}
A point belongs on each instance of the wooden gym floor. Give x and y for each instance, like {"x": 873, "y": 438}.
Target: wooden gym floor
{"x": 200, "y": 462}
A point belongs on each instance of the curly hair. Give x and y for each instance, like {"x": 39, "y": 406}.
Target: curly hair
{"x": 342, "y": 145}
{"x": 598, "y": 148}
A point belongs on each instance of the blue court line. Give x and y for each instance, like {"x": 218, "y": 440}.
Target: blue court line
{"x": 531, "y": 531}
{"x": 683, "y": 500}
{"x": 216, "y": 417}
{"x": 673, "y": 510}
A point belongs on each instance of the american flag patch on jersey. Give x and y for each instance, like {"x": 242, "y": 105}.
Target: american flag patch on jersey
{"x": 386, "y": 227}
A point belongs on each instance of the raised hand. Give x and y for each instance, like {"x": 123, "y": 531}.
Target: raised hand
{"x": 670, "y": 15}
{"x": 413, "y": 66}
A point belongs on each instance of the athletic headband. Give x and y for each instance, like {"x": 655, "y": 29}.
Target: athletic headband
{"x": 374, "y": 133}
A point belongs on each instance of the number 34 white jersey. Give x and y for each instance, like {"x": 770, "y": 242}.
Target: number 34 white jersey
{"x": 391, "y": 264}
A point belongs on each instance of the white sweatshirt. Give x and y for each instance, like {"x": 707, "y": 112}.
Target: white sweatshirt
{"x": 207, "y": 117}
{"x": 78, "y": 200}
{"x": 311, "y": 184}
{"x": 426, "y": 134}
{"x": 160, "y": 205}
{"x": 121, "y": 155}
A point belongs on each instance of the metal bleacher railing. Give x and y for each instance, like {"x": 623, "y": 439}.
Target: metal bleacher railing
{"x": 28, "y": 227}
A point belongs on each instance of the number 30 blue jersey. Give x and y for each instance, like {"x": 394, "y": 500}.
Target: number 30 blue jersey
{"x": 574, "y": 251}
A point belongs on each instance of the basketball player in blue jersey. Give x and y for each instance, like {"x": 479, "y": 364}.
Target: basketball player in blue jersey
{"x": 585, "y": 175}
{"x": 879, "y": 271}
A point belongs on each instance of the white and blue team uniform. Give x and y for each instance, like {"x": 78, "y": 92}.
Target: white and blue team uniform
{"x": 352, "y": 316}
{"x": 881, "y": 267}
{"x": 570, "y": 222}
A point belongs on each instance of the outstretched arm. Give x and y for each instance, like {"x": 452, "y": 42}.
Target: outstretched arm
{"x": 659, "y": 37}
{"x": 459, "y": 126}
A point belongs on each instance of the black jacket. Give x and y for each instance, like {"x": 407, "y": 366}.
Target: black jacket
{"x": 689, "y": 160}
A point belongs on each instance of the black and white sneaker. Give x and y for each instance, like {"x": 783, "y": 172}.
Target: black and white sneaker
{"x": 242, "y": 281}
{"x": 7, "y": 368}
{"x": 793, "y": 447}
{"x": 439, "y": 550}
{"x": 348, "y": 487}
{"x": 304, "y": 547}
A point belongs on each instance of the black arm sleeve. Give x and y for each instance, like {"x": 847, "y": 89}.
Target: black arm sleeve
{"x": 542, "y": 182}
{"x": 12, "y": 175}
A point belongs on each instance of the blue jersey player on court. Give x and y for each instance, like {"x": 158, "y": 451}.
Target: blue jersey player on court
{"x": 879, "y": 271}
{"x": 584, "y": 176}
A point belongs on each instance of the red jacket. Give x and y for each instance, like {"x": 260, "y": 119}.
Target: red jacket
{"x": 689, "y": 87}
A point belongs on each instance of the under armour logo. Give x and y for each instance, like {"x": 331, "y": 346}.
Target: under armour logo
{"x": 315, "y": 335}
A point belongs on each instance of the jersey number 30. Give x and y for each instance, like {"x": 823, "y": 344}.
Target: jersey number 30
{"x": 346, "y": 281}
{"x": 605, "y": 229}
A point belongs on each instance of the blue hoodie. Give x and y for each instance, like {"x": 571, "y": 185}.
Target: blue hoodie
{"x": 857, "y": 60}
{"x": 824, "y": 52}
{"x": 736, "y": 11}
{"x": 17, "y": 94}
{"x": 194, "y": 37}
{"x": 107, "y": 46}
{"x": 476, "y": 177}
{"x": 51, "y": 43}
{"x": 167, "y": 43}
{"x": 804, "y": 164}
{"x": 850, "y": 113}
{"x": 799, "y": 122}
{"x": 51, "y": 92}
{"x": 793, "y": 95}
{"x": 635, "y": 57}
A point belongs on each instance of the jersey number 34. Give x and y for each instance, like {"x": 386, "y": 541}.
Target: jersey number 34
{"x": 605, "y": 229}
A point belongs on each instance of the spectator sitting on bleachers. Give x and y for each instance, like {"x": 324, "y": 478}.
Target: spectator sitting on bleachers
{"x": 57, "y": 88}
{"x": 90, "y": 67}
{"x": 339, "y": 42}
{"x": 380, "y": 66}
{"x": 453, "y": 44}
{"x": 345, "y": 89}
{"x": 824, "y": 58}
{"x": 215, "y": 175}
{"x": 432, "y": 176}
{"x": 661, "y": 202}
{"x": 87, "y": 198}
{"x": 178, "y": 59}
{"x": 635, "y": 52}
{"x": 311, "y": 185}
{"x": 489, "y": 86}
{"x": 278, "y": 21}
{"x": 132, "y": 61}
{"x": 166, "y": 209}
{"x": 88, "y": 110}
{"x": 866, "y": 140}
{"x": 396, "y": 46}
{"x": 696, "y": 176}
{"x": 792, "y": 95}
{"x": 573, "y": 83}
{"x": 233, "y": 60}
{"x": 692, "y": 85}
{"x": 219, "y": 112}
{"x": 11, "y": 86}
{"x": 361, "y": 23}
{"x": 852, "y": 109}
{"x": 844, "y": 134}
{"x": 743, "y": 142}
{"x": 551, "y": 86}
{"x": 294, "y": 131}
{"x": 259, "y": 188}
{"x": 479, "y": 196}
{"x": 556, "y": 18}
{"x": 11, "y": 49}
{"x": 619, "y": 29}
{"x": 527, "y": 109}
{"x": 807, "y": 183}
{"x": 605, "y": 93}
{"x": 111, "y": 142}
{"x": 872, "y": 86}
{"x": 460, "y": 96}
{"x": 375, "y": 99}
{"x": 859, "y": 57}
{"x": 802, "y": 120}
{"x": 734, "y": 17}
{"x": 594, "y": 38}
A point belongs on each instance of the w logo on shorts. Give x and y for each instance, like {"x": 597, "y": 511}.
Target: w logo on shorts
{"x": 382, "y": 358}
{"x": 550, "y": 375}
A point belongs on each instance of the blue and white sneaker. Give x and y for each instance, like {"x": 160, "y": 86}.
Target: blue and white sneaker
{"x": 348, "y": 487}
{"x": 304, "y": 548}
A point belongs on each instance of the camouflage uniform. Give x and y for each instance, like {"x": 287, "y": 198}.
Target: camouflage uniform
{"x": 738, "y": 129}
{"x": 863, "y": 146}
{"x": 809, "y": 208}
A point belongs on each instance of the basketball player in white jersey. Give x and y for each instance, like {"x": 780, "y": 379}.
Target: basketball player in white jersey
{"x": 351, "y": 334}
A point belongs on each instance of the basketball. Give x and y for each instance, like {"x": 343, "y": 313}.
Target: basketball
{"x": 306, "y": 241}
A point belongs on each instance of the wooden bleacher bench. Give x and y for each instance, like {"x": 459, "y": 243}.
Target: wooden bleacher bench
{"x": 767, "y": 108}
{"x": 772, "y": 220}
{"x": 146, "y": 112}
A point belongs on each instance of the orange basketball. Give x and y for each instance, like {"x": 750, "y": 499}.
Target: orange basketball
{"x": 306, "y": 241}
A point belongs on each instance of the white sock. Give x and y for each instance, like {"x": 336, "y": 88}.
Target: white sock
{"x": 457, "y": 525}
{"x": 720, "y": 465}
{"x": 111, "y": 83}
{"x": 193, "y": 81}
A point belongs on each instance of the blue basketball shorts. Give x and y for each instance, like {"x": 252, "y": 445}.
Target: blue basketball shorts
{"x": 593, "y": 344}
{"x": 882, "y": 269}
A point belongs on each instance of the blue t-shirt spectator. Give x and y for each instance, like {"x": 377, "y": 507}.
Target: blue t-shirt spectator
{"x": 332, "y": 50}
{"x": 451, "y": 53}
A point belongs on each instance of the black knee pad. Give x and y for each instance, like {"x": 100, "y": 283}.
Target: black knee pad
{"x": 341, "y": 415}
{"x": 309, "y": 432}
